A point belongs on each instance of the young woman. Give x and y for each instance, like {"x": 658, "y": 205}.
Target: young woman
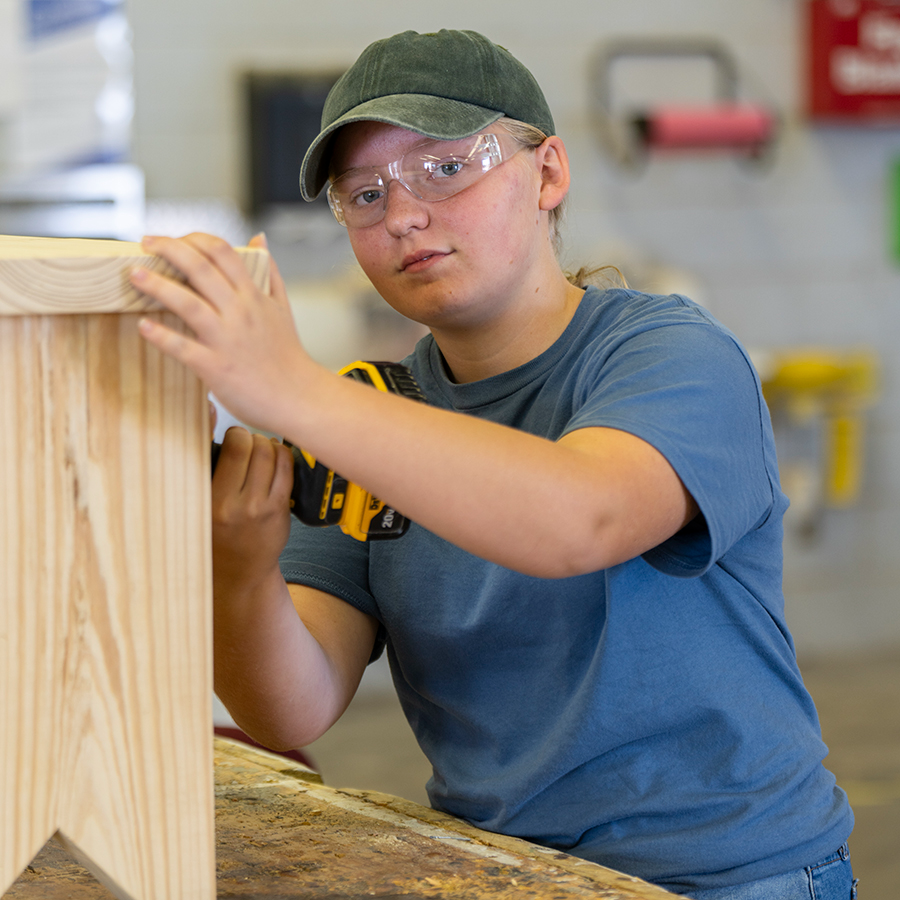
{"x": 585, "y": 623}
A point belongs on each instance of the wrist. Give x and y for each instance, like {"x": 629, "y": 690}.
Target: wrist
{"x": 308, "y": 386}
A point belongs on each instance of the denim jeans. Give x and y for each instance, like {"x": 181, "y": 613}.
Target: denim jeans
{"x": 831, "y": 879}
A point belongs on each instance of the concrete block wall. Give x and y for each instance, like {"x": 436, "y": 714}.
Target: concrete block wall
{"x": 796, "y": 253}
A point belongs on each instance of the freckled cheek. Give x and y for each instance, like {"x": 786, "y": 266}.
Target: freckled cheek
{"x": 370, "y": 256}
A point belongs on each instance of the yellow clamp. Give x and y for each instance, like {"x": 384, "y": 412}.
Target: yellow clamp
{"x": 836, "y": 386}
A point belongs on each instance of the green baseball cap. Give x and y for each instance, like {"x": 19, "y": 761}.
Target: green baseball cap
{"x": 445, "y": 85}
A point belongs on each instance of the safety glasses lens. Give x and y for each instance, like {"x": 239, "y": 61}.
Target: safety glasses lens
{"x": 432, "y": 171}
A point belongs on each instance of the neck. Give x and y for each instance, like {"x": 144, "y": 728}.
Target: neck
{"x": 525, "y": 331}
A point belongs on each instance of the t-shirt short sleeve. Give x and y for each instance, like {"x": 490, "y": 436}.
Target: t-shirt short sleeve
{"x": 328, "y": 560}
{"x": 690, "y": 391}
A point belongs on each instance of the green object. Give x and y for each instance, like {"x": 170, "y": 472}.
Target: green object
{"x": 446, "y": 85}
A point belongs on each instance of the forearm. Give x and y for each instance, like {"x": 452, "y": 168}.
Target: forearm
{"x": 272, "y": 675}
{"x": 522, "y": 501}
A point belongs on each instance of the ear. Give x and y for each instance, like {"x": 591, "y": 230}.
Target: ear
{"x": 552, "y": 161}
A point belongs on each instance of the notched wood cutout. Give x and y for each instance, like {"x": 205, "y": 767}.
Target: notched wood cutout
{"x": 105, "y": 590}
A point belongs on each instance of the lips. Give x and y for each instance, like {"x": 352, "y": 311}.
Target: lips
{"x": 419, "y": 260}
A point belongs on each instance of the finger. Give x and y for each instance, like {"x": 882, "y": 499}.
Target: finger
{"x": 283, "y": 482}
{"x": 202, "y": 272}
{"x": 226, "y": 260}
{"x": 234, "y": 457}
{"x": 176, "y": 344}
{"x": 174, "y": 296}
{"x": 231, "y": 469}
{"x": 230, "y": 476}
{"x": 262, "y": 468}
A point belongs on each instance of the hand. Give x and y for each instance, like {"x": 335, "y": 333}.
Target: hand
{"x": 244, "y": 343}
{"x": 251, "y": 492}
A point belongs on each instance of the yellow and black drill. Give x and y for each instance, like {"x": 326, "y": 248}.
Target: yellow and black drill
{"x": 320, "y": 497}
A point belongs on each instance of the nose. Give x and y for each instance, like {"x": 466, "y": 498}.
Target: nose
{"x": 403, "y": 210}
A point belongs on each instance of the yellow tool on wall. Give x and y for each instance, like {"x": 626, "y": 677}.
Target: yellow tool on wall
{"x": 833, "y": 387}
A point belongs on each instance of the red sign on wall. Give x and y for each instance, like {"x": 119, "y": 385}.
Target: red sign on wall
{"x": 854, "y": 59}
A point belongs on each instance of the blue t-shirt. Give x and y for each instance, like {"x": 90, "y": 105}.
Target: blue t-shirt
{"x": 649, "y": 717}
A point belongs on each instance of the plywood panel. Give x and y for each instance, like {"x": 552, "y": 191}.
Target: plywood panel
{"x": 105, "y": 596}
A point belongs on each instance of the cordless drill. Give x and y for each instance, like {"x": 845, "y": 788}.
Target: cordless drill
{"x": 320, "y": 497}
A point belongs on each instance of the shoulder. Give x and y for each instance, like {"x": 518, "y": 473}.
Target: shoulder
{"x": 626, "y": 311}
{"x": 656, "y": 336}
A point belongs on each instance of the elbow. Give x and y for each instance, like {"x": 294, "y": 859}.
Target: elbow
{"x": 286, "y": 721}
{"x": 563, "y": 560}
{"x": 566, "y": 565}
{"x": 577, "y": 549}
{"x": 280, "y": 738}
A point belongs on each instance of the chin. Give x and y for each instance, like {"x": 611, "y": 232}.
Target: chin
{"x": 433, "y": 308}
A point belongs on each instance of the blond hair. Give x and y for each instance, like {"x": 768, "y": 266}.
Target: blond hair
{"x": 532, "y": 137}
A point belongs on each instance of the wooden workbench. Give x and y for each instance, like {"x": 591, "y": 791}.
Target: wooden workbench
{"x": 283, "y": 835}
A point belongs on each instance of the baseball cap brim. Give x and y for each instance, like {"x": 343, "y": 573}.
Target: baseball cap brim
{"x": 425, "y": 114}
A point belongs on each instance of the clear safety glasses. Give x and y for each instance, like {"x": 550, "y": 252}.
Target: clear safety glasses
{"x": 431, "y": 171}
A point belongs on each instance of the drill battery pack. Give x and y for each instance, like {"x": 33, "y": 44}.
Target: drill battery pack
{"x": 321, "y": 497}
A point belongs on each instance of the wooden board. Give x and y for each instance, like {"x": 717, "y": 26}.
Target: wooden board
{"x": 282, "y": 835}
{"x": 72, "y": 275}
{"x": 105, "y": 591}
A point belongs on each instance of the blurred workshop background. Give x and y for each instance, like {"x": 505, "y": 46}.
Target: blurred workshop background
{"x": 745, "y": 154}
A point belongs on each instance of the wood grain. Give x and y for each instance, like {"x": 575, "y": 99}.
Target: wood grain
{"x": 72, "y": 275}
{"x": 105, "y": 598}
{"x": 282, "y": 835}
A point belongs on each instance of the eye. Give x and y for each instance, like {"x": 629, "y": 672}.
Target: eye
{"x": 365, "y": 196}
{"x": 447, "y": 169}
{"x": 439, "y": 169}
